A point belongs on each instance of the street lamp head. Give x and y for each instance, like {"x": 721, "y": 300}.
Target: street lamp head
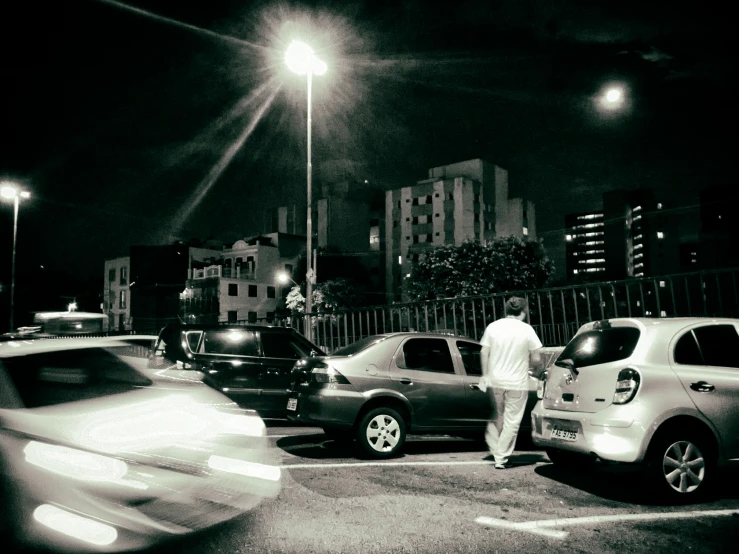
{"x": 613, "y": 98}
{"x": 301, "y": 59}
{"x": 282, "y": 277}
{"x": 10, "y": 191}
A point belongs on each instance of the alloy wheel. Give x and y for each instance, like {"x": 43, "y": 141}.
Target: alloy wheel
{"x": 683, "y": 466}
{"x": 383, "y": 433}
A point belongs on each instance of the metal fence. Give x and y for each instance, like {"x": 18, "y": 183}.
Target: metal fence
{"x": 555, "y": 313}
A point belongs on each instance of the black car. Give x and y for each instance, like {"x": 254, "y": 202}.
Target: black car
{"x": 250, "y": 364}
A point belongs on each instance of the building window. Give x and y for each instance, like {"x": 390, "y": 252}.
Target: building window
{"x": 270, "y": 317}
{"x": 428, "y": 199}
{"x": 233, "y": 289}
{"x": 111, "y": 275}
{"x": 437, "y": 195}
{"x": 415, "y": 202}
{"x": 437, "y": 234}
{"x": 395, "y": 224}
{"x": 659, "y": 205}
{"x": 415, "y": 220}
{"x": 289, "y": 269}
{"x": 124, "y": 275}
{"x": 451, "y": 196}
{"x": 271, "y": 292}
{"x": 252, "y": 317}
{"x": 121, "y": 322}
{"x": 525, "y": 231}
{"x": 415, "y": 239}
{"x": 252, "y": 291}
{"x": 232, "y": 316}
{"x": 122, "y": 300}
{"x": 660, "y": 235}
{"x": 568, "y": 237}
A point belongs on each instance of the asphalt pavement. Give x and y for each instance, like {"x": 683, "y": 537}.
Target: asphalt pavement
{"x": 443, "y": 496}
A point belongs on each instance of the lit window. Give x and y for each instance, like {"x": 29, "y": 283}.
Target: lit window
{"x": 568, "y": 237}
{"x": 637, "y": 208}
{"x": 574, "y": 271}
{"x": 637, "y": 246}
{"x": 637, "y": 217}
{"x": 400, "y": 260}
{"x": 662, "y": 284}
{"x": 659, "y": 206}
{"x": 526, "y": 231}
{"x": 639, "y": 255}
{"x": 660, "y": 235}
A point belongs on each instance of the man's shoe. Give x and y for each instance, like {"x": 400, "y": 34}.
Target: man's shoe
{"x": 506, "y": 465}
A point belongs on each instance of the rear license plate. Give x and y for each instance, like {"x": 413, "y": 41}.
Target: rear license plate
{"x": 292, "y": 404}
{"x": 563, "y": 434}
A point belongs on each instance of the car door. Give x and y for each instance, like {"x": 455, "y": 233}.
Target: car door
{"x": 478, "y": 402}
{"x": 424, "y": 372}
{"x": 280, "y": 351}
{"x": 706, "y": 359}
{"x": 230, "y": 357}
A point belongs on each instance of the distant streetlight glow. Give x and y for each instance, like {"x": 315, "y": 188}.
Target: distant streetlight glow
{"x": 11, "y": 192}
{"x": 301, "y": 59}
{"x": 283, "y": 277}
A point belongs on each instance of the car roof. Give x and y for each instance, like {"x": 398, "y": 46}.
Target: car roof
{"x": 665, "y": 324}
{"x": 23, "y": 347}
{"x": 424, "y": 334}
{"x": 226, "y": 327}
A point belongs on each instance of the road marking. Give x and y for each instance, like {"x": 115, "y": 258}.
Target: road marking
{"x": 379, "y": 464}
{"x": 542, "y": 527}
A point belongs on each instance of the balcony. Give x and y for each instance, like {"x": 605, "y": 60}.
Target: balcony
{"x": 240, "y": 273}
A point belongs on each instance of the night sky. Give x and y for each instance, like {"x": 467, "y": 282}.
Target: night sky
{"x": 149, "y": 121}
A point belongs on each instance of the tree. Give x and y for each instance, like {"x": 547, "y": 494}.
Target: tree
{"x": 329, "y": 296}
{"x": 474, "y": 268}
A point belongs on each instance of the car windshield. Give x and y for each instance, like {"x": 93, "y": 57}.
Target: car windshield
{"x": 358, "y": 346}
{"x": 601, "y": 346}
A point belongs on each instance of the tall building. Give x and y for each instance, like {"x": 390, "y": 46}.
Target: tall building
{"x": 116, "y": 296}
{"x": 719, "y": 232}
{"x": 458, "y": 202}
{"x": 585, "y": 246}
{"x": 629, "y": 237}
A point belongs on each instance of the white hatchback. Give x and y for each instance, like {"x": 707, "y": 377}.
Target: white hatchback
{"x": 660, "y": 392}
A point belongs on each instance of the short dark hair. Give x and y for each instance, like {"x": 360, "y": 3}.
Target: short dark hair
{"x": 515, "y": 305}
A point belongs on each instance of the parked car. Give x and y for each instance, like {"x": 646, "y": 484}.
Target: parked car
{"x": 249, "y": 364}
{"x": 382, "y": 387}
{"x": 659, "y": 392}
{"x": 99, "y": 453}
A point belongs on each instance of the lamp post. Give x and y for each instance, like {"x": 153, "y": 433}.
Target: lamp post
{"x": 9, "y": 191}
{"x": 284, "y": 278}
{"x": 301, "y": 59}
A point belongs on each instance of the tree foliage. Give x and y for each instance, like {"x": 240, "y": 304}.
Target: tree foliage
{"x": 329, "y": 296}
{"x": 474, "y": 268}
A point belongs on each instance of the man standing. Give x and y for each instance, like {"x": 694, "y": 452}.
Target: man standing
{"x": 508, "y": 345}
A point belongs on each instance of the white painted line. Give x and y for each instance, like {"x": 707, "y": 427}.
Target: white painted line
{"x": 541, "y": 527}
{"x": 379, "y": 464}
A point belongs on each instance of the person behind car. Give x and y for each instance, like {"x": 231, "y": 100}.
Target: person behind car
{"x": 508, "y": 346}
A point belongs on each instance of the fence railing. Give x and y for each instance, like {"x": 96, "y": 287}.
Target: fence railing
{"x": 555, "y": 313}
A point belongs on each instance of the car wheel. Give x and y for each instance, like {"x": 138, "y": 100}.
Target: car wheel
{"x": 381, "y": 432}
{"x": 678, "y": 466}
{"x": 569, "y": 460}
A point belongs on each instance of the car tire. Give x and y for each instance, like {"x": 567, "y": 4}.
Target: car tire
{"x": 569, "y": 460}
{"x": 679, "y": 466}
{"x": 381, "y": 432}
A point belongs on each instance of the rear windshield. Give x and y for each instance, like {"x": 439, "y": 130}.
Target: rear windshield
{"x": 601, "y": 346}
{"x": 51, "y": 378}
{"x": 231, "y": 342}
{"x": 358, "y": 346}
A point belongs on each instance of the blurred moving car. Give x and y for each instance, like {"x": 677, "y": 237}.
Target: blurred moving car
{"x": 99, "y": 453}
{"x": 250, "y": 364}
{"x": 383, "y": 387}
{"x": 662, "y": 392}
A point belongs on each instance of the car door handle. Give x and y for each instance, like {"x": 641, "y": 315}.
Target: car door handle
{"x": 476, "y": 387}
{"x": 405, "y": 381}
{"x": 702, "y": 386}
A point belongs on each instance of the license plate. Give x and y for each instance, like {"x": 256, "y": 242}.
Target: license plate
{"x": 292, "y": 404}
{"x": 564, "y": 434}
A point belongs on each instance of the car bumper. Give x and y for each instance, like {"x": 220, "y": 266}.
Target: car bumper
{"x": 326, "y": 407}
{"x": 608, "y": 434}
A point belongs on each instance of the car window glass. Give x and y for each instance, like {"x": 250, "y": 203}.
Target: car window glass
{"x": 229, "y": 342}
{"x": 282, "y": 345}
{"x": 470, "y": 353}
{"x": 358, "y": 346}
{"x": 427, "y": 355}
{"x": 687, "y": 351}
{"x": 68, "y": 376}
{"x": 601, "y": 346}
{"x": 719, "y": 345}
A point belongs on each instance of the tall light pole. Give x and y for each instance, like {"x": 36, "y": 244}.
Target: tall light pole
{"x": 9, "y": 191}
{"x": 301, "y": 59}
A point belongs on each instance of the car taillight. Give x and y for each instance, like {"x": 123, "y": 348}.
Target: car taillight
{"x": 323, "y": 373}
{"x": 626, "y": 386}
{"x": 541, "y": 385}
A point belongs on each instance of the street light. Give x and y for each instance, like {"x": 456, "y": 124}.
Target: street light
{"x": 613, "y": 98}
{"x": 11, "y": 192}
{"x": 301, "y": 59}
{"x": 283, "y": 277}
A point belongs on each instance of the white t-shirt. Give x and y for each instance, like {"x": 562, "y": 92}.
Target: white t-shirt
{"x": 510, "y": 341}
